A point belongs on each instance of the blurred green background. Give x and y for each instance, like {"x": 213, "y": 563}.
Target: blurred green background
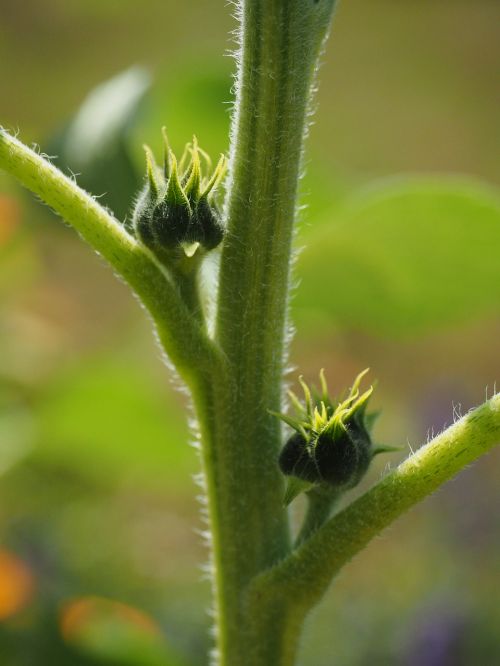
{"x": 100, "y": 556}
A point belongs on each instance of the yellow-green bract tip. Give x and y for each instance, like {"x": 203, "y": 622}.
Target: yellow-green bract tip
{"x": 166, "y": 152}
{"x": 217, "y": 176}
{"x": 152, "y": 170}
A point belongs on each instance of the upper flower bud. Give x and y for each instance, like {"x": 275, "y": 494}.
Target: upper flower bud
{"x": 176, "y": 207}
{"x": 331, "y": 445}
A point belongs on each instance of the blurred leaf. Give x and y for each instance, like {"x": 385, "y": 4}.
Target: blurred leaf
{"x": 94, "y": 144}
{"x": 115, "y": 632}
{"x": 190, "y": 98}
{"x": 102, "y": 142}
{"x": 405, "y": 255}
{"x": 106, "y": 418}
{"x": 20, "y": 267}
{"x": 16, "y": 434}
{"x": 10, "y": 218}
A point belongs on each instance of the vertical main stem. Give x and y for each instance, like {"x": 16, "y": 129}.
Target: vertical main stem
{"x": 280, "y": 44}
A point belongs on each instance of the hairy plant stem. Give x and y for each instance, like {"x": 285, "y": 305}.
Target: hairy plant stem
{"x": 320, "y": 505}
{"x": 280, "y": 44}
{"x": 181, "y": 335}
{"x": 302, "y": 578}
{"x": 263, "y": 586}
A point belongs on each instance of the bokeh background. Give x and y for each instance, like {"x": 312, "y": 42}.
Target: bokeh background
{"x": 100, "y": 561}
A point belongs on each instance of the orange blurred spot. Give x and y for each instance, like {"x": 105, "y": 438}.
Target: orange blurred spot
{"x": 16, "y": 585}
{"x": 80, "y": 615}
{"x": 10, "y": 217}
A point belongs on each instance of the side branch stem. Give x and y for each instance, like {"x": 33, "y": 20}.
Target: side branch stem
{"x": 304, "y": 576}
{"x": 181, "y": 334}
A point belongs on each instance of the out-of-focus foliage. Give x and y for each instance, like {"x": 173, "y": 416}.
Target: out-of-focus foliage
{"x": 129, "y": 428}
{"x": 115, "y": 633}
{"x": 96, "y": 494}
{"x": 404, "y": 256}
{"x": 95, "y": 144}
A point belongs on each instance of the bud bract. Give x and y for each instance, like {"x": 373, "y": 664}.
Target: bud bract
{"x": 175, "y": 208}
{"x": 331, "y": 445}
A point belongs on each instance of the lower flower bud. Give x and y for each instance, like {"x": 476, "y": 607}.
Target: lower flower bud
{"x": 331, "y": 445}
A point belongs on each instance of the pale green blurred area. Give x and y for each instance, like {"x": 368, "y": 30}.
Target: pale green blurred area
{"x": 96, "y": 489}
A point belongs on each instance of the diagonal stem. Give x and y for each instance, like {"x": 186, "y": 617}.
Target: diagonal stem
{"x": 181, "y": 334}
{"x": 301, "y": 579}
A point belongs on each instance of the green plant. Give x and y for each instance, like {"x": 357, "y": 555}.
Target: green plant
{"x": 264, "y": 583}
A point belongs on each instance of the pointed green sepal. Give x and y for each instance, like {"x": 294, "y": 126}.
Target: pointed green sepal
{"x": 324, "y": 387}
{"x": 296, "y": 403}
{"x": 206, "y": 157}
{"x": 294, "y": 487}
{"x": 166, "y": 154}
{"x": 217, "y": 176}
{"x": 295, "y": 424}
{"x": 359, "y": 403}
{"x": 382, "y": 448}
{"x": 193, "y": 183}
{"x": 307, "y": 397}
{"x": 175, "y": 193}
{"x": 153, "y": 173}
{"x": 335, "y": 427}
{"x": 358, "y": 380}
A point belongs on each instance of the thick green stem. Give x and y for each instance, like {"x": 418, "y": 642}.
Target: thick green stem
{"x": 263, "y": 588}
{"x": 303, "y": 577}
{"x": 280, "y": 44}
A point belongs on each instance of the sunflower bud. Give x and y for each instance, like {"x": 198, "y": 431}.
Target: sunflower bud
{"x": 331, "y": 446}
{"x": 172, "y": 214}
{"x": 176, "y": 208}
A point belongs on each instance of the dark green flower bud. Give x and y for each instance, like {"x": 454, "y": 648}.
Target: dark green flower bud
{"x": 141, "y": 218}
{"x": 207, "y": 224}
{"x": 172, "y": 214}
{"x": 296, "y": 460}
{"x": 331, "y": 445}
{"x": 175, "y": 209}
{"x": 339, "y": 461}
{"x": 147, "y": 201}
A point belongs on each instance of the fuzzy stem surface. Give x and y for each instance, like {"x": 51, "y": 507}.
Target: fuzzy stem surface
{"x": 181, "y": 334}
{"x": 302, "y": 578}
{"x": 280, "y": 42}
